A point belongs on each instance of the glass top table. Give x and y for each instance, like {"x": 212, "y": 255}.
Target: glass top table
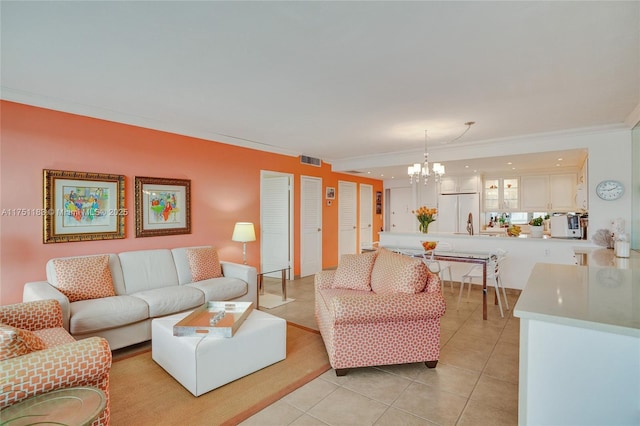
{"x": 70, "y": 406}
{"x": 283, "y": 270}
{"x": 477, "y": 257}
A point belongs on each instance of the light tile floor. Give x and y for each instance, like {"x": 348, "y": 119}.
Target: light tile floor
{"x": 475, "y": 382}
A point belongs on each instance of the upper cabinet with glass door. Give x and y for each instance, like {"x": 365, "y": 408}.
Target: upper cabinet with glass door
{"x": 501, "y": 194}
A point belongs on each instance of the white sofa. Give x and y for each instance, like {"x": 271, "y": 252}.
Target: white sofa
{"x": 148, "y": 284}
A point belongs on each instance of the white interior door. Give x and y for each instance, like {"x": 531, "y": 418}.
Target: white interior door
{"x": 310, "y": 225}
{"x": 347, "y": 218}
{"x": 366, "y": 215}
{"x": 401, "y": 219}
{"x": 276, "y": 204}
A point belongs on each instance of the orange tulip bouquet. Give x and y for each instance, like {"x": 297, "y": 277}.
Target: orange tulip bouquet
{"x": 425, "y": 216}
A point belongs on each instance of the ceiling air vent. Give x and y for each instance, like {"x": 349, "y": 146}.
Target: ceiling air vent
{"x": 310, "y": 160}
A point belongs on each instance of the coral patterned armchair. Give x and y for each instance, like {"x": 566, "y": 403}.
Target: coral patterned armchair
{"x": 379, "y": 308}
{"x": 37, "y": 355}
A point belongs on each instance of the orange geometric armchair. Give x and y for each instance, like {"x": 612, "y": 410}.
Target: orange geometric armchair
{"x": 379, "y": 308}
{"x": 37, "y": 355}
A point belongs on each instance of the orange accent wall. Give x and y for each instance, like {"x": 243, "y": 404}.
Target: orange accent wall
{"x": 225, "y": 188}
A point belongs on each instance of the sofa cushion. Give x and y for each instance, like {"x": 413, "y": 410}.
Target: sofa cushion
{"x": 354, "y": 271}
{"x": 204, "y": 263}
{"x": 169, "y": 300}
{"x": 17, "y": 342}
{"x": 89, "y": 316}
{"x": 54, "y": 336}
{"x": 222, "y": 288}
{"x": 324, "y": 296}
{"x": 397, "y": 273}
{"x": 351, "y": 307}
{"x": 148, "y": 269}
{"x": 82, "y": 278}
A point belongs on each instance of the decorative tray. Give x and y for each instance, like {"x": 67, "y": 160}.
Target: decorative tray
{"x": 220, "y": 319}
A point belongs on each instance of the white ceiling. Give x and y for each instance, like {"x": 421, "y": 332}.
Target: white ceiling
{"x": 333, "y": 80}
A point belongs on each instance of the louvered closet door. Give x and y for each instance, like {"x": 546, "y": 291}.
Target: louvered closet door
{"x": 347, "y": 218}
{"x": 274, "y": 222}
{"x": 310, "y": 225}
{"x": 366, "y": 215}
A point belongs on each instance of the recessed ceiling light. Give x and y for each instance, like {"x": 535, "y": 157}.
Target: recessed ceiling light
{"x": 560, "y": 159}
{"x": 509, "y": 163}
{"x": 466, "y": 167}
{"x": 557, "y": 165}
{"x": 513, "y": 168}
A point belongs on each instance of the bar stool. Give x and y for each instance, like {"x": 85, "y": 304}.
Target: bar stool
{"x": 493, "y": 273}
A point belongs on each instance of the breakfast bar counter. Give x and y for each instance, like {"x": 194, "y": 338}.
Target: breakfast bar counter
{"x": 522, "y": 253}
{"x": 580, "y": 345}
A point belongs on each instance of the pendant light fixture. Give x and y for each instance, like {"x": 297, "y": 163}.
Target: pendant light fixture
{"x": 421, "y": 171}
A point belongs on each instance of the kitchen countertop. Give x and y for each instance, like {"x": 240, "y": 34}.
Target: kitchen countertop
{"x": 523, "y": 253}
{"x": 492, "y": 235}
{"x": 580, "y": 343}
{"x": 592, "y": 297}
{"x": 600, "y": 256}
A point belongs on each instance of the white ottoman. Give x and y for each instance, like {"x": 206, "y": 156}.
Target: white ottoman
{"x": 202, "y": 364}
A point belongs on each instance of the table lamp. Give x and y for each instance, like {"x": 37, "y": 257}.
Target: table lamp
{"x": 244, "y": 232}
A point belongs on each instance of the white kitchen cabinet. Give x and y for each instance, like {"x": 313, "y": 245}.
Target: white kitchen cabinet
{"x": 535, "y": 193}
{"x": 459, "y": 184}
{"x": 562, "y": 192}
{"x": 582, "y": 189}
{"x": 550, "y": 193}
{"x": 501, "y": 194}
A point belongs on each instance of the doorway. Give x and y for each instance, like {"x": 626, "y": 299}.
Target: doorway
{"x": 276, "y": 224}
{"x": 347, "y": 218}
{"x": 366, "y": 216}
{"x": 310, "y": 225}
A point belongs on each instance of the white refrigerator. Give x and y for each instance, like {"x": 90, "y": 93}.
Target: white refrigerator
{"x": 453, "y": 212}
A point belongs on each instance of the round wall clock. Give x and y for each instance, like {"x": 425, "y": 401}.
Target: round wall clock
{"x": 610, "y": 190}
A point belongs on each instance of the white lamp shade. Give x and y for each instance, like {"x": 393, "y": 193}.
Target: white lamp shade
{"x": 243, "y": 232}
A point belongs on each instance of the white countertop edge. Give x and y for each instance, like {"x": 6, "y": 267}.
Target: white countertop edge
{"x": 573, "y": 322}
{"x": 434, "y": 235}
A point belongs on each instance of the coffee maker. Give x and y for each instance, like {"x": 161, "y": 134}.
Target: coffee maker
{"x": 565, "y": 226}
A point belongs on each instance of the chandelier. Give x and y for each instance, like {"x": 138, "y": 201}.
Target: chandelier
{"x": 421, "y": 171}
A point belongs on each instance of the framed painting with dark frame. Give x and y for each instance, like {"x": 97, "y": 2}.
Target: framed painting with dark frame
{"x": 330, "y": 193}
{"x": 82, "y": 206}
{"x": 163, "y": 206}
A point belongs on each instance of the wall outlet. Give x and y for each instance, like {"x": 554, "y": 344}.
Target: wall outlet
{"x": 547, "y": 252}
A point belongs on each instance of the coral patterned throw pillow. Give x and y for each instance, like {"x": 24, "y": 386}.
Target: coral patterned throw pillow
{"x": 82, "y": 278}
{"x": 204, "y": 263}
{"x": 397, "y": 273}
{"x": 17, "y": 342}
{"x": 354, "y": 271}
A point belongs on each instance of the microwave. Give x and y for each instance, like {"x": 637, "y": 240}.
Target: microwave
{"x": 565, "y": 226}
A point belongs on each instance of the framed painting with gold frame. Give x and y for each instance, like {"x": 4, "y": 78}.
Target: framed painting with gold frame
{"x": 82, "y": 206}
{"x": 163, "y": 206}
